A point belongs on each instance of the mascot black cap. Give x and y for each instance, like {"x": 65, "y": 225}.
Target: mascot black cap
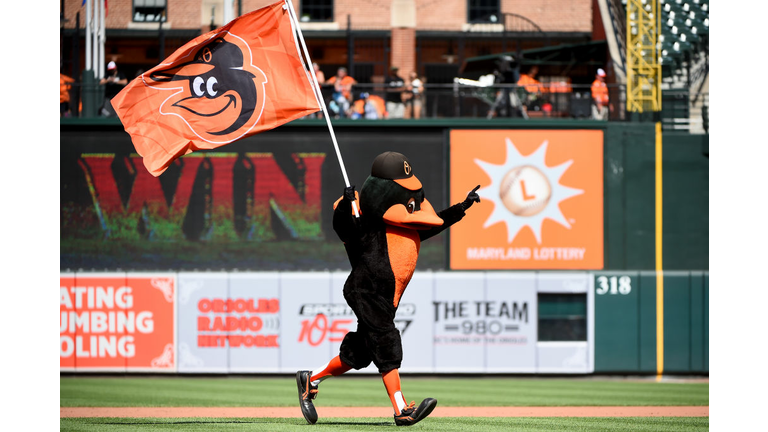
{"x": 218, "y": 53}
{"x": 396, "y": 167}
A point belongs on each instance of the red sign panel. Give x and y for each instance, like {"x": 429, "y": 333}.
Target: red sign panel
{"x": 117, "y": 323}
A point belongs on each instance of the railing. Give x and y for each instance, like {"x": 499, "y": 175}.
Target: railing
{"x": 492, "y": 101}
{"x": 675, "y": 110}
{"x": 466, "y": 101}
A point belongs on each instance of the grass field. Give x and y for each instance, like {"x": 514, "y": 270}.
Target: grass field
{"x": 369, "y": 391}
{"x": 475, "y": 424}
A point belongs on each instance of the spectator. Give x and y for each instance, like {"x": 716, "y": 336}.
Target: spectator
{"x": 546, "y": 108}
{"x": 506, "y": 103}
{"x": 414, "y": 93}
{"x": 380, "y": 104}
{"x": 367, "y": 107}
{"x": 599, "y": 111}
{"x": 560, "y": 91}
{"x": 529, "y": 82}
{"x": 599, "y": 88}
{"x": 320, "y": 77}
{"x": 65, "y": 85}
{"x": 395, "y": 87}
{"x": 342, "y": 91}
{"x": 530, "y": 89}
{"x": 318, "y": 74}
{"x": 113, "y": 82}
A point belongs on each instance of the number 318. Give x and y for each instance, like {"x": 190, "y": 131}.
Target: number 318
{"x": 616, "y": 285}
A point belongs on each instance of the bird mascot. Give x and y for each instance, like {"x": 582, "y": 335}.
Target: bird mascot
{"x": 382, "y": 245}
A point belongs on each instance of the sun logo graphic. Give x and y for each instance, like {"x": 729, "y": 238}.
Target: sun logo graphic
{"x": 525, "y": 191}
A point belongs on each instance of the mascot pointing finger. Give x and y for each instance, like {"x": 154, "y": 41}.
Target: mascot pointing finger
{"x": 383, "y": 246}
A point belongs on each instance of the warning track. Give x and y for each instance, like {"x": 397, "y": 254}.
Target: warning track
{"x": 368, "y": 412}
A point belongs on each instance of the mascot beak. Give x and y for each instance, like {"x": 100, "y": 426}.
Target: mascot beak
{"x": 424, "y": 218}
{"x": 209, "y": 107}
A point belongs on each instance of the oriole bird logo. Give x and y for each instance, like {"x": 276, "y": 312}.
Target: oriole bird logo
{"x": 220, "y": 93}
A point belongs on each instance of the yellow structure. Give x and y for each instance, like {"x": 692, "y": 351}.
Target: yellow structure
{"x": 643, "y": 67}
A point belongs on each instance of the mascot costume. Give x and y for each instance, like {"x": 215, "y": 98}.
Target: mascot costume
{"x": 383, "y": 246}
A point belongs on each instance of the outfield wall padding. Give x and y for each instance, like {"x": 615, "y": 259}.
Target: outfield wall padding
{"x": 281, "y": 322}
{"x": 625, "y": 322}
{"x": 450, "y": 322}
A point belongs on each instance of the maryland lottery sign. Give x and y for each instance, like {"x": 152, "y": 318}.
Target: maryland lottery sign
{"x": 542, "y": 199}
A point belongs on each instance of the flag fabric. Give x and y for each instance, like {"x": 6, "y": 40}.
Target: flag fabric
{"x": 230, "y": 83}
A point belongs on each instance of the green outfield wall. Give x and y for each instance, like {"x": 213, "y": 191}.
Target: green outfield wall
{"x": 300, "y": 147}
{"x": 268, "y": 204}
{"x": 630, "y": 198}
{"x": 625, "y": 322}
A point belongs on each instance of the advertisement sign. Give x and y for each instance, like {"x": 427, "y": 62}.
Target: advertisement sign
{"x": 414, "y": 320}
{"x": 117, "y": 322}
{"x": 541, "y": 197}
{"x": 199, "y": 347}
{"x": 567, "y": 356}
{"x": 484, "y": 323}
{"x": 456, "y": 345}
{"x": 228, "y": 322}
{"x": 255, "y": 341}
{"x": 510, "y": 312}
{"x": 317, "y": 317}
{"x": 275, "y": 322}
{"x": 311, "y": 321}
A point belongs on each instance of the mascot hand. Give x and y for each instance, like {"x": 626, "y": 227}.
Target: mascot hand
{"x": 349, "y": 193}
{"x": 472, "y": 197}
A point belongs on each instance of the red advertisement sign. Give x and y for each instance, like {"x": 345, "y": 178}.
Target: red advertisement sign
{"x": 238, "y": 322}
{"x": 117, "y": 323}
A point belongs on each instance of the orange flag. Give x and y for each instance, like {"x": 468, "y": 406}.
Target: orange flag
{"x": 230, "y": 83}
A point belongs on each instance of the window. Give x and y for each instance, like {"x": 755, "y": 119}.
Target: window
{"x": 485, "y": 11}
{"x": 150, "y": 10}
{"x": 562, "y": 317}
{"x": 316, "y": 10}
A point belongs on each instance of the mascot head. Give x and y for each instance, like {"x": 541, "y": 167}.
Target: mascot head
{"x": 218, "y": 90}
{"x": 393, "y": 194}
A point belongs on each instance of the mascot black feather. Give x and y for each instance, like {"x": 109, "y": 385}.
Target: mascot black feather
{"x": 383, "y": 246}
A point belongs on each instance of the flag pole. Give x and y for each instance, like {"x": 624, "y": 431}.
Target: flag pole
{"x": 319, "y": 97}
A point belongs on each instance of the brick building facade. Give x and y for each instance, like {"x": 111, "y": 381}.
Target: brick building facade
{"x": 432, "y": 37}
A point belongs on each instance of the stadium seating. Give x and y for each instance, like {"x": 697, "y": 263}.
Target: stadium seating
{"x": 683, "y": 37}
{"x": 685, "y": 33}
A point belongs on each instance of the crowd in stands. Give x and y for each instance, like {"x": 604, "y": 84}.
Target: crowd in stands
{"x": 533, "y": 95}
{"x": 113, "y": 82}
{"x": 65, "y": 86}
{"x": 401, "y": 98}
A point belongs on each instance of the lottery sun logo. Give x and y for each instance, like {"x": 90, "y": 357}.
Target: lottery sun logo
{"x": 525, "y": 191}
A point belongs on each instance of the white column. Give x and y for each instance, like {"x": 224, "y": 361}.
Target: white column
{"x": 95, "y": 41}
{"x": 229, "y": 11}
{"x": 102, "y": 37}
{"x": 88, "y": 34}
